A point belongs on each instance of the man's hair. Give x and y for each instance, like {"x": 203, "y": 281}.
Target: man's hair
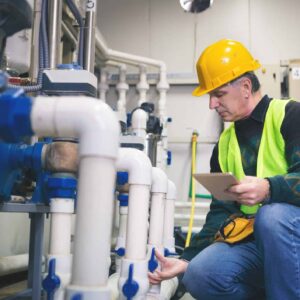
{"x": 253, "y": 78}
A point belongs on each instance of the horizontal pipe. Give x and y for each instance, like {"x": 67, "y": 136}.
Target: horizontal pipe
{"x": 109, "y": 54}
{"x": 13, "y": 264}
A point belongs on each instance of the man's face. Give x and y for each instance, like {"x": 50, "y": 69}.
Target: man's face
{"x": 230, "y": 101}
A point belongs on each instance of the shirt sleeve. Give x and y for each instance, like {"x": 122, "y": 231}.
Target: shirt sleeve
{"x": 286, "y": 188}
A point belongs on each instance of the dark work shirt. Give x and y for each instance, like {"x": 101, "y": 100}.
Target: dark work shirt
{"x": 284, "y": 188}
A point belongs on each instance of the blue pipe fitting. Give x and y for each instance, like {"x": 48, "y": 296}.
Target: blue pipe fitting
{"x": 167, "y": 253}
{"x": 120, "y": 251}
{"x": 26, "y": 157}
{"x": 77, "y": 297}
{"x": 52, "y": 282}
{"x": 152, "y": 263}
{"x": 123, "y": 198}
{"x": 15, "y": 110}
{"x": 122, "y": 178}
{"x": 61, "y": 187}
{"x": 169, "y": 157}
{"x": 130, "y": 287}
{"x": 13, "y": 159}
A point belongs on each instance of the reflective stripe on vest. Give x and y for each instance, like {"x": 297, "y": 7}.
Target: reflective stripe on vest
{"x": 271, "y": 154}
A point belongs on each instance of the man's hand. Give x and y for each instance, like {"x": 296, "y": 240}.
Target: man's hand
{"x": 251, "y": 190}
{"x": 170, "y": 267}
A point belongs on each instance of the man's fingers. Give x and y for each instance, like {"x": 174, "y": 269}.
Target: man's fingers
{"x": 159, "y": 256}
{"x": 240, "y": 188}
{"x": 154, "y": 278}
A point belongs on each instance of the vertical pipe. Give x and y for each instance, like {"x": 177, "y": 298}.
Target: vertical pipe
{"x": 93, "y": 222}
{"x": 33, "y": 72}
{"x": 60, "y": 241}
{"x": 157, "y": 219}
{"x": 137, "y": 224}
{"x": 55, "y": 17}
{"x": 90, "y": 31}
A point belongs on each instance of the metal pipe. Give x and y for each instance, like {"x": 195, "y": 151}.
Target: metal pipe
{"x": 55, "y": 17}
{"x": 72, "y": 38}
{"x": 33, "y": 72}
{"x": 90, "y": 31}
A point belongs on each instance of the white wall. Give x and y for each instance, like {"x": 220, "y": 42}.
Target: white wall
{"x": 161, "y": 30}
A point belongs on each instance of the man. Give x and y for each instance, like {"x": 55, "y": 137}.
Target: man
{"x": 262, "y": 149}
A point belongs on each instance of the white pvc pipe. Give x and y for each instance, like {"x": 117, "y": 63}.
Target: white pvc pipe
{"x": 159, "y": 190}
{"x": 13, "y": 264}
{"x": 139, "y": 123}
{"x": 60, "y": 241}
{"x": 103, "y": 85}
{"x": 122, "y": 88}
{"x": 168, "y": 239}
{"x": 162, "y": 86}
{"x": 136, "y": 60}
{"x": 97, "y": 128}
{"x": 94, "y": 223}
{"x": 123, "y": 57}
{"x": 139, "y": 169}
{"x": 142, "y": 86}
{"x": 121, "y": 239}
{"x": 137, "y": 226}
{"x": 60, "y": 229}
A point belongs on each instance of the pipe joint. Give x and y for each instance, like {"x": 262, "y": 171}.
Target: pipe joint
{"x": 159, "y": 181}
{"x": 137, "y": 164}
{"x": 139, "y": 119}
{"x": 172, "y": 191}
{"x": 92, "y": 121}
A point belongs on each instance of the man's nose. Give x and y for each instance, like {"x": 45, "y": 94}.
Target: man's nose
{"x": 213, "y": 102}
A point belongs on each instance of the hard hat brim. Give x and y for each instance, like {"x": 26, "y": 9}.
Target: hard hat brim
{"x": 198, "y": 91}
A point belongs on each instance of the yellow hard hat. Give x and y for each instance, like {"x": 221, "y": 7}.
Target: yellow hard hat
{"x": 222, "y": 62}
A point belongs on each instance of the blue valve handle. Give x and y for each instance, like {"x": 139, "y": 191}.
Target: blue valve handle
{"x": 131, "y": 287}
{"x": 77, "y": 297}
{"x": 52, "y": 282}
{"x": 167, "y": 253}
{"x": 120, "y": 251}
{"x": 152, "y": 263}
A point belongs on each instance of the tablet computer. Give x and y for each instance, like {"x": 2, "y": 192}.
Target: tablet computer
{"x": 217, "y": 184}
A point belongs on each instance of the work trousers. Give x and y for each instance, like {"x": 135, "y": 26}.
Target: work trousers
{"x": 267, "y": 267}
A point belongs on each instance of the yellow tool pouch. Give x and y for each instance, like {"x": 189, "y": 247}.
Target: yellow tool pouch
{"x": 235, "y": 229}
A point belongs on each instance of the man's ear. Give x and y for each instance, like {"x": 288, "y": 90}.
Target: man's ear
{"x": 246, "y": 86}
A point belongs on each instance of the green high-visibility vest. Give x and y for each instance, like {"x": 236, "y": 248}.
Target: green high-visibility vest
{"x": 271, "y": 159}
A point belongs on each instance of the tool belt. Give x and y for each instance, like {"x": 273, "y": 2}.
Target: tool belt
{"x": 236, "y": 228}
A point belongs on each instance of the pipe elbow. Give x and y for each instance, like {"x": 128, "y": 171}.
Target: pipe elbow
{"x": 90, "y": 120}
{"x": 172, "y": 191}
{"x": 137, "y": 164}
{"x": 159, "y": 181}
{"x": 139, "y": 119}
